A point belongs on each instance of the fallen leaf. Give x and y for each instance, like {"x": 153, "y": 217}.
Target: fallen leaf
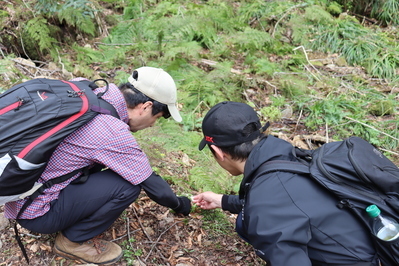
{"x": 34, "y": 248}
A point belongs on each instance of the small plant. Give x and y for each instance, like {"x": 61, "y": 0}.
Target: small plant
{"x": 271, "y": 113}
{"x": 38, "y": 32}
{"x": 129, "y": 253}
{"x": 216, "y": 222}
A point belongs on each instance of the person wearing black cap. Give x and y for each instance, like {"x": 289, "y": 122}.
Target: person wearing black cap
{"x": 289, "y": 219}
{"x": 80, "y": 211}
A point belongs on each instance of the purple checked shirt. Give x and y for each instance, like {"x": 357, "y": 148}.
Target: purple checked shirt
{"x": 105, "y": 140}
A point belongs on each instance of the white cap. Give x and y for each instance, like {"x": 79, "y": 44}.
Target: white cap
{"x": 158, "y": 85}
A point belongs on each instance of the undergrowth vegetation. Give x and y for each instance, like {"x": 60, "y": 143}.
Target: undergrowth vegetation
{"x": 225, "y": 50}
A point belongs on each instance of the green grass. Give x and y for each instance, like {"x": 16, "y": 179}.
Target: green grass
{"x": 220, "y": 50}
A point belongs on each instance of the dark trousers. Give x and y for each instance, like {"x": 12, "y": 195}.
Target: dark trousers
{"x": 85, "y": 210}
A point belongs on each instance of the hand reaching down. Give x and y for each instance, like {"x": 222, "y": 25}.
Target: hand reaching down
{"x": 208, "y": 200}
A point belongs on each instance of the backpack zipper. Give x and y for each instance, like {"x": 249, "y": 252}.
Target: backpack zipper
{"x": 336, "y": 180}
{"x": 63, "y": 124}
{"x": 13, "y": 106}
{"x": 357, "y": 169}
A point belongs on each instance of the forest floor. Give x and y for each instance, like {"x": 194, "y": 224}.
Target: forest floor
{"x": 151, "y": 234}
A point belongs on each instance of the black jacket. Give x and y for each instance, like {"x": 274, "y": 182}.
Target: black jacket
{"x": 291, "y": 220}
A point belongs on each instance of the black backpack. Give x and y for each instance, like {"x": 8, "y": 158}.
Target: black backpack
{"x": 35, "y": 116}
{"x": 358, "y": 174}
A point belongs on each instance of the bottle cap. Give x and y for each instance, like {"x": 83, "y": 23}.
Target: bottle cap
{"x": 373, "y": 211}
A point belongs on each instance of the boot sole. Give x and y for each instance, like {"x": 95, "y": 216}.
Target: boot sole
{"x": 81, "y": 260}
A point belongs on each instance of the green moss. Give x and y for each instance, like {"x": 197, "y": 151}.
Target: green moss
{"x": 382, "y": 107}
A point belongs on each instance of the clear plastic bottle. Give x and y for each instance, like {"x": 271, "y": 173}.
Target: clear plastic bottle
{"x": 384, "y": 228}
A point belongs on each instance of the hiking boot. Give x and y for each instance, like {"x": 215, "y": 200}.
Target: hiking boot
{"x": 95, "y": 250}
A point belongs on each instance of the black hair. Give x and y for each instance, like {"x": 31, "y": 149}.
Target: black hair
{"x": 242, "y": 151}
{"x": 133, "y": 97}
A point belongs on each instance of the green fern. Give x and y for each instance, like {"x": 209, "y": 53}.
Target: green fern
{"x": 109, "y": 55}
{"x": 77, "y": 13}
{"x": 38, "y": 30}
{"x": 262, "y": 11}
{"x": 80, "y": 20}
{"x": 250, "y": 40}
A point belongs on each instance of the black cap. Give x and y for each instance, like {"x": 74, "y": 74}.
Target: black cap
{"x": 224, "y": 123}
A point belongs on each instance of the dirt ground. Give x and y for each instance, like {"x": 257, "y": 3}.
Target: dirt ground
{"x": 149, "y": 235}
{"x": 153, "y": 235}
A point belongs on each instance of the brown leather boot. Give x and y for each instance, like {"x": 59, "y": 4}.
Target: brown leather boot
{"x": 95, "y": 251}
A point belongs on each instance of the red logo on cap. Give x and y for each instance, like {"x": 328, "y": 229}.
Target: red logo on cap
{"x": 209, "y": 139}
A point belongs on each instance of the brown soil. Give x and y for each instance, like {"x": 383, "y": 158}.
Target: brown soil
{"x": 153, "y": 235}
{"x": 150, "y": 235}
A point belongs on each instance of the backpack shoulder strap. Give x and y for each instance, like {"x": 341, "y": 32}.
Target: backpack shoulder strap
{"x": 273, "y": 166}
{"x": 281, "y": 165}
{"x": 103, "y": 106}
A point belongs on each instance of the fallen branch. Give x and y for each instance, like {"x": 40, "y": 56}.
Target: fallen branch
{"x": 307, "y": 59}
{"x": 159, "y": 237}
{"x": 364, "y": 124}
{"x": 391, "y": 152}
{"x": 115, "y": 44}
{"x": 285, "y": 14}
{"x": 149, "y": 238}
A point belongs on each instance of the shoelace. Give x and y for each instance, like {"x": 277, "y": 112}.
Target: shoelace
{"x": 99, "y": 244}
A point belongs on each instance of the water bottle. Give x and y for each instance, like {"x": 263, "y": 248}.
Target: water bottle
{"x": 384, "y": 228}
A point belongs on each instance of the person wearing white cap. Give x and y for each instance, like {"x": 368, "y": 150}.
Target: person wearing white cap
{"x": 158, "y": 85}
{"x": 85, "y": 205}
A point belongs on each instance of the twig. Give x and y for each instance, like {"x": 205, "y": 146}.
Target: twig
{"x": 59, "y": 60}
{"x": 38, "y": 68}
{"x": 145, "y": 232}
{"x": 297, "y": 121}
{"x": 159, "y": 237}
{"x": 26, "y": 5}
{"x": 307, "y": 59}
{"x": 288, "y": 73}
{"x": 125, "y": 235}
{"x": 395, "y": 153}
{"x": 30, "y": 235}
{"x": 311, "y": 72}
{"x": 157, "y": 243}
{"x": 285, "y": 14}
{"x": 271, "y": 85}
{"x": 141, "y": 225}
{"x": 351, "y": 88}
{"x": 115, "y": 44}
{"x": 128, "y": 235}
{"x": 327, "y": 133}
{"x": 354, "y": 120}
{"x": 179, "y": 12}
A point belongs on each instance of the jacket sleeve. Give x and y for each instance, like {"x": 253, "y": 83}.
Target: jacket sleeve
{"x": 159, "y": 191}
{"x": 231, "y": 203}
{"x": 277, "y": 229}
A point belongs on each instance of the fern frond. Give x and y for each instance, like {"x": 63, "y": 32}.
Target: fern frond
{"x": 80, "y": 20}
{"x": 250, "y": 40}
{"x": 189, "y": 50}
{"x": 38, "y": 29}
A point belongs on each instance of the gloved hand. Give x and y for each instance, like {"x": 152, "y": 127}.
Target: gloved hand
{"x": 184, "y": 206}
